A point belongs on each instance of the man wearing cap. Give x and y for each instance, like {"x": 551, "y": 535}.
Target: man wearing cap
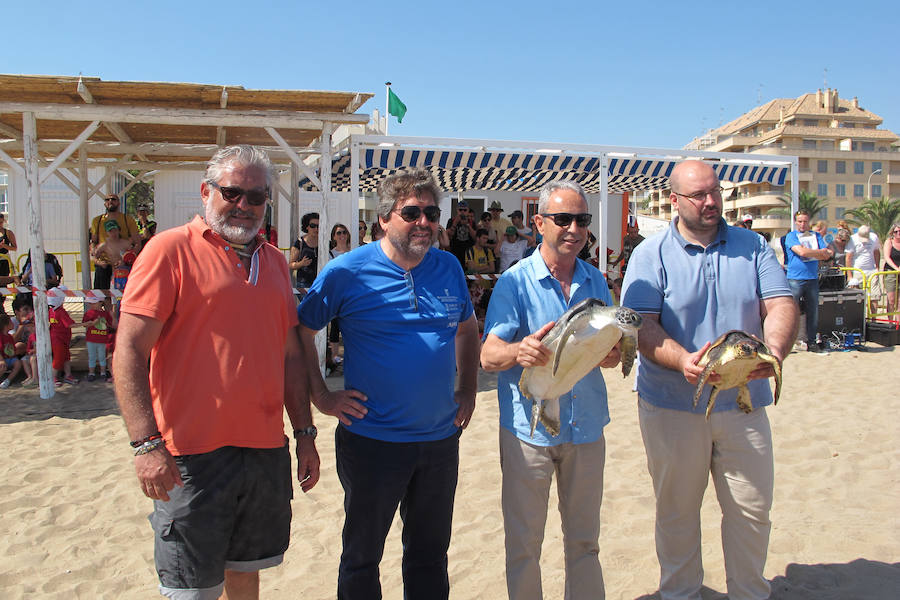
{"x": 461, "y": 231}
{"x": 864, "y": 253}
{"x": 498, "y": 223}
{"x": 512, "y": 248}
{"x": 146, "y": 226}
{"x": 98, "y": 232}
{"x": 209, "y": 307}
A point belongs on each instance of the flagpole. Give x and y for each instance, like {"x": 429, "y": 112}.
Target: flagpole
{"x": 387, "y": 99}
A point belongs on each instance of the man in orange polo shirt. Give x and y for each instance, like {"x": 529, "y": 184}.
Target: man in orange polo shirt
{"x": 211, "y": 307}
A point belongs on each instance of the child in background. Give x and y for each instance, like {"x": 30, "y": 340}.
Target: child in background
{"x": 99, "y": 321}
{"x": 24, "y": 310}
{"x": 8, "y": 359}
{"x": 61, "y": 324}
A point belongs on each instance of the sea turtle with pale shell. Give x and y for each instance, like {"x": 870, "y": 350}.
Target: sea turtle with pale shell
{"x": 733, "y": 357}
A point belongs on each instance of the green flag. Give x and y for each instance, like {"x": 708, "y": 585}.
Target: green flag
{"x": 395, "y": 106}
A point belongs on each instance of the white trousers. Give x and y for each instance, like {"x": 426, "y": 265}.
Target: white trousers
{"x": 527, "y": 474}
{"x": 682, "y": 450}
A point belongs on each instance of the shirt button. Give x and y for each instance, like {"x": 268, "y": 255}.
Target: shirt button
{"x": 228, "y": 247}
{"x": 240, "y": 265}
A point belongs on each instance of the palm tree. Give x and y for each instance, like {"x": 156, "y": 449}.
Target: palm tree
{"x": 879, "y": 215}
{"x": 811, "y": 203}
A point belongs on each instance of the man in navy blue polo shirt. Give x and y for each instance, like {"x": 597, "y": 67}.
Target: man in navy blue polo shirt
{"x": 693, "y": 282}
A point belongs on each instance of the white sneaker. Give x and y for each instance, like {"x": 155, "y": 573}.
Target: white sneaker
{"x": 5, "y": 384}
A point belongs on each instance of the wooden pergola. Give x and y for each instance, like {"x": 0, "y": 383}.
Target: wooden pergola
{"x": 63, "y": 126}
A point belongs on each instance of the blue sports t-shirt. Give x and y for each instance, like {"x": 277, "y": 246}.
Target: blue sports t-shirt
{"x": 399, "y": 331}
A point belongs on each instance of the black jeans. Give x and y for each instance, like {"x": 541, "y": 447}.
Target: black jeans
{"x": 378, "y": 476}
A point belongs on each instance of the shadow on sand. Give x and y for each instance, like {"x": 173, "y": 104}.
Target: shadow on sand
{"x": 858, "y": 580}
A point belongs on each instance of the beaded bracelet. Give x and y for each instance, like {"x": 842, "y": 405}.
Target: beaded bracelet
{"x": 149, "y": 446}
{"x": 149, "y": 438}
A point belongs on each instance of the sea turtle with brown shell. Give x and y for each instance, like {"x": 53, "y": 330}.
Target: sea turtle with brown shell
{"x": 733, "y": 357}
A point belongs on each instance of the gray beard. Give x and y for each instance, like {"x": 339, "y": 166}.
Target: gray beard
{"x": 410, "y": 250}
{"x": 233, "y": 233}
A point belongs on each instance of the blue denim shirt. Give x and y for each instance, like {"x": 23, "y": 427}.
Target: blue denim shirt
{"x": 525, "y": 298}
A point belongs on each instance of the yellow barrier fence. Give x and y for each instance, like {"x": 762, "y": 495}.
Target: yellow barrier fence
{"x": 881, "y": 289}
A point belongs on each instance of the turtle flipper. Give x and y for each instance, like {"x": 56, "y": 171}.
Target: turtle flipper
{"x": 536, "y": 410}
{"x": 628, "y": 353}
{"x": 712, "y": 401}
{"x": 701, "y": 381}
{"x": 776, "y": 365}
{"x": 743, "y": 399}
{"x": 550, "y": 423}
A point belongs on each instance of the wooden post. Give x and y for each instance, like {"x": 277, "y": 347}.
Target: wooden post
{"x": 84, "y": 219}
{"x": 295, "y": 203}
{"x": 354, "y": 189}
{"x": 324, "y": 221}
{"x": 39, "y": 278}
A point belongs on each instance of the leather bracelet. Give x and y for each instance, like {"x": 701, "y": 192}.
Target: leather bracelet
{"x": 149, "y": 438}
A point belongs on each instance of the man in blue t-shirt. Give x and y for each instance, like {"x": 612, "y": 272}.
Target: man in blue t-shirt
{"x": 803, "y": 249}
{"x": 692, "y": 283}
{"x": 409, "y": 328}
{"x": 528, "y": 298}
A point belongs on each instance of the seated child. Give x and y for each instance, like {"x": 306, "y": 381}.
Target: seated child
{"x": 9, "y": 360}
{"x": 24, "y": 310}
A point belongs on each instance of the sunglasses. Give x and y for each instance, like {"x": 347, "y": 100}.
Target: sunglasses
{"x": 412, "y": 213}
{"x": 341, "y": 233}
{"x": 232, "y": 193}
{"x": 313, "y": 225}
{"x": 565, "y": 219}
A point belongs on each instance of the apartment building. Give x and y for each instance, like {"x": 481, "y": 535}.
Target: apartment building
{"x": 844, "y": 157}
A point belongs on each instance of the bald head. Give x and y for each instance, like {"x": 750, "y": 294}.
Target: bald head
{"x": 686, "y": 175}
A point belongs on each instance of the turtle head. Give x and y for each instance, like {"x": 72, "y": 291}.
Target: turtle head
{"x": 747, "y": 349}
{"x": 629, "y": 318}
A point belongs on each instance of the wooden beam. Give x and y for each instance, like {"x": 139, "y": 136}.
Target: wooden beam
{"x": 10, "y": 131}
{"x": 148, "y": 149}
{"x": 294, "y": 157}
{"x": 70, "y": 149}
{"x": 284, "y": 119}
{"x": 16, "y": 167}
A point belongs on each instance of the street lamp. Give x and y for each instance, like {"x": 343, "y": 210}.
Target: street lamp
{"x": 869, "y": 182}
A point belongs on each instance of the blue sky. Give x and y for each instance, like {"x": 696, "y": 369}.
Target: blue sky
{"x": 632, "y": 74}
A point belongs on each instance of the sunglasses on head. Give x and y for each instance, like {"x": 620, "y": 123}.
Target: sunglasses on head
{"x": 564, "y": 219}
{"x": 233, "y": 193}
{"x": 412, "y": 213}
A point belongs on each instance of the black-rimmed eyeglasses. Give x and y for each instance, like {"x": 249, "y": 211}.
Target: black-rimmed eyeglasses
{"x": 716, "y": 193}
{"x": 411, "y": 213}
{"x": 233, "y": 193}
{"x": 564, "y": 219}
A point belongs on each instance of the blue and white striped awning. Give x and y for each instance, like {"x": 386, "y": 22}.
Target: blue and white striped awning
{"x": 460, "y": 170}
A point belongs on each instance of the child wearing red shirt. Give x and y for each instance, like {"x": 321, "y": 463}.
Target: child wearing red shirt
{"x": 61, "y": 324}
{"x": 99, "y": 322}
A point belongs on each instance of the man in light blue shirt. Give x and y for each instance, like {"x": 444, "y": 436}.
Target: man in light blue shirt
{"x": 527, "y": 300}
{"x": 803, "y": 249}
{"x": 692, "y": 283}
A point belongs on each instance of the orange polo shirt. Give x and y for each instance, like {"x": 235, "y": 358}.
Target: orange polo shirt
{"x": 217, "y": 369}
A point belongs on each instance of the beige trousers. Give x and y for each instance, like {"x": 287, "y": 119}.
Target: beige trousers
{"x": 682, "y": 450}
{"x": 527, "y": 474}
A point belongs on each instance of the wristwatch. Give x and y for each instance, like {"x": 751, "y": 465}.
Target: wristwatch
{"x": 311, "y": 431}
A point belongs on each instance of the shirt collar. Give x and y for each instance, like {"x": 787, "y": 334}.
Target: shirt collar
{"x": 721, "y": 234}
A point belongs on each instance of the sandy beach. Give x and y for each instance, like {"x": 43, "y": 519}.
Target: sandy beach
{"x": 74, "y": 522}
